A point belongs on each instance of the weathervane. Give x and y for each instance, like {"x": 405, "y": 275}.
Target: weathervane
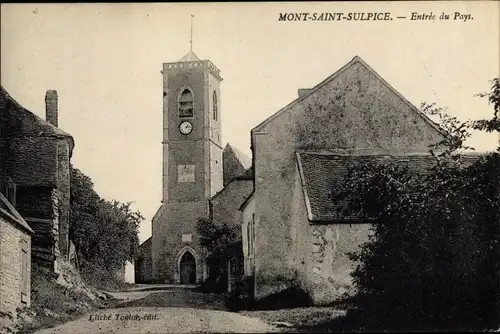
{"x": 191, "y": 36}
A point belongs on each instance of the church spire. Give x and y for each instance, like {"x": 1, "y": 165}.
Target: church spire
{"x": 190, "y": 56}
{"x": 191, "y": 36}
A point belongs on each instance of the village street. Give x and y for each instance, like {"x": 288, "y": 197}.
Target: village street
{"x": 143, "y": 311}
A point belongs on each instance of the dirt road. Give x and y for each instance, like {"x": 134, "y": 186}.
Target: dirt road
{"x": 161, "y": 320}
{"x": 163, "y": 309}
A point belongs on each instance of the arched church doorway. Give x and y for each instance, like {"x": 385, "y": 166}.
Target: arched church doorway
{"x": 187, "y": 268}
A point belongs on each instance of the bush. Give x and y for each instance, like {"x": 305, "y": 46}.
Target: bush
{"x": 242, "y": 295}
{"x": 433, "y": 262}
{"x": 291, "y": 297}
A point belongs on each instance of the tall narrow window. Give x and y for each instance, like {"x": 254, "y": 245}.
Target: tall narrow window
{"x": 215, "y": 105}
{"x": 252, "y": 231}
{"x": 186, "y": 104}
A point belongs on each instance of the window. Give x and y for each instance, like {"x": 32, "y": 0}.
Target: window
{"x": 215, "y": 105}
{"x": 251, "y": 235}
{"x": 186, "y": 104}
{"x": 249, "y": 241}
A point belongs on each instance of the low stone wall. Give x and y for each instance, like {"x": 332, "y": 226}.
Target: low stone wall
{"x": 331, "y": 265}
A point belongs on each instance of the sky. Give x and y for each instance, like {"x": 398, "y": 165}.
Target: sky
{"x": 104, "y": 60}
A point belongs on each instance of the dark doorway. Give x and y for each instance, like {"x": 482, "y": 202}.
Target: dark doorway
{"x": 188, "y": 269}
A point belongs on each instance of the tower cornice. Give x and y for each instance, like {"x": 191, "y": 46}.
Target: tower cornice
{"x": 197, "y": 64}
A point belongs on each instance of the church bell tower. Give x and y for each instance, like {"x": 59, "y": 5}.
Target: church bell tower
{"x": 192, "y": 167}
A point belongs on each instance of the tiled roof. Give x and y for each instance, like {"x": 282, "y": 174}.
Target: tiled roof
{"x": 321, "y": 173}
{"x": 17, "y": 121}
{"x": 244, "y": 186}
{"x": 9, "y": 213}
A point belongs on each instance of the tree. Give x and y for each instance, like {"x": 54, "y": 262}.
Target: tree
{"x": 105, "y": 233}
{"x": 491, "y": 125}
{"x": 433, "y": 262}
{"x": 221, "y": 243}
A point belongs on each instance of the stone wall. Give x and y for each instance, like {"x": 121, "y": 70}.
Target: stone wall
{"x": 301, "y": 236}
{"x": 225, "y": 205}
{"x": 174, "y": 221}
{"x": 11, "y": 239}
{"x": 143, "y": 265}
{"x": 63, "y": 189}
{"x": 354, "y": 112}
{"x": 330, "y": 245}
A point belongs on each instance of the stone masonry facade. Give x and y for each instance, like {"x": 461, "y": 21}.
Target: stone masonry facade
{"x": 354, "y": 111}
{"x": 12, "y": 241}
{"x": 331, "y": 245}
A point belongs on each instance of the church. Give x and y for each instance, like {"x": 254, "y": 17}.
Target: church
{"x": 197, "y": 174}
{"x": 292, "y": 235}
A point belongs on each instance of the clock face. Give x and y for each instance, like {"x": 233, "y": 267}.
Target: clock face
{"x": 186, "y": 127}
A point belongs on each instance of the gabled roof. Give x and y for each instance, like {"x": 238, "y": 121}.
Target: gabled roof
{"x": 18, "y": 121}
{"x": 190, "y": 56}
{"x": 235, "y": 165}
{"x": 10, "y": 214}
{"x": 245, "y": 161}
{"x": 309, "y": 92}
{"x": 322, "y": 173}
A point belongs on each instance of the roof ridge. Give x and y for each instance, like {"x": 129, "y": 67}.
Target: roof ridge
{"x": 331, "y": 77}
{"x": 190, "y": 56}
{"x": 410, "y": 154}
{"x": 339, "y": 154}
{"x": 310, "y": 92}
{"x": 57, "y": 130}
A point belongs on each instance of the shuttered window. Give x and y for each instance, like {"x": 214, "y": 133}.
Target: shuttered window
{"x": 25, "y": 271}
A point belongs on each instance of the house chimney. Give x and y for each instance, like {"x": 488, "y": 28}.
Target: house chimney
{"x": 51, "y": 107}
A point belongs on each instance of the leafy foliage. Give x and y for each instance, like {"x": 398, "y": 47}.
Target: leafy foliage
{"x": 105, "y": 233}
{"x": 433, "y": 261}
{"x": 491, "y": 125}
{"x": 456, "y": 132}
{"x": 221, "y": 243}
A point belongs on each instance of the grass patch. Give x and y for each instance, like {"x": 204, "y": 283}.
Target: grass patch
{"x": 298, "y": 317}
{"x": 104, "y": 279}
{"x": 52, "y": 304}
